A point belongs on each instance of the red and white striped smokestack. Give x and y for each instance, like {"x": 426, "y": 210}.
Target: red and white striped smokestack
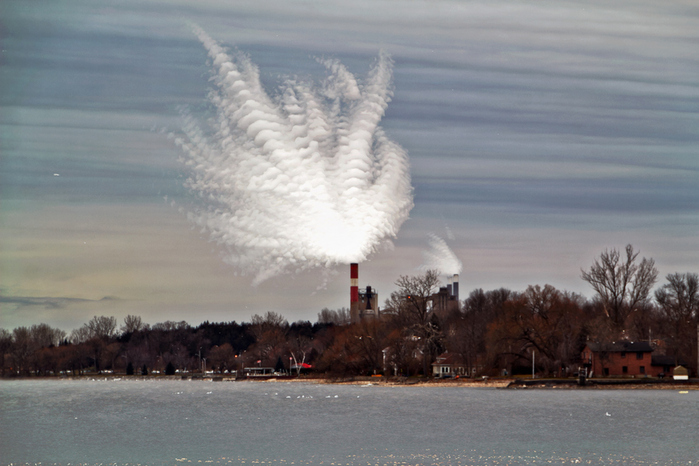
{"x": 354, "y": 292}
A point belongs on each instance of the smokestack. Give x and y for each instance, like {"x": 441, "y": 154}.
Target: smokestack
{"x": 354, "y": 292}
{"x": 449, "y": 288}
{"x": 455, "y": 286}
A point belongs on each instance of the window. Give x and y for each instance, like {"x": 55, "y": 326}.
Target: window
{"x": 625, "y": 369}
{"x": 623, "y": 354}
{"x": 606, "y": 371}
{"x": 639, "y": 355}
{"x": 642, "y": 369}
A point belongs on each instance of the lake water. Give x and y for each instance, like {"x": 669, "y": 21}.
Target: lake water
{"x": 138, "y": 422}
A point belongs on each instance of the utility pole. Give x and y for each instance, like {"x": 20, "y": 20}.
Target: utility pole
{"x": 533, "y": 362}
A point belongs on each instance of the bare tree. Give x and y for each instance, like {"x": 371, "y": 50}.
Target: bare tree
{"x": 622, "y": 285}
{"x": 132, "y": 324}
{"x": 270, "y": 319}
{"x": 412, "y": 306}
{"x": 679, "y": 297}
{"x": 414, "y": 294}
{"x": 467, "y": 338}
{"x": 678, "y": 300}
{"x": 337, "y": 317}
{"x": 95, "y": 336}
{"x": 22, "y": 349}
{"x": 45, "y": 336}
{"x": 5, "y": 345}
{"x": 101, "y": 327}
{"x": 222, "y": 357}
{"x": 270, "y": 336}
{"x": 170, "y": 326}
{"x": 80, "y": 335}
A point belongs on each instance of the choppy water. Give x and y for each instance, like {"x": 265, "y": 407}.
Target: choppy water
{"x": 126, "y": 422}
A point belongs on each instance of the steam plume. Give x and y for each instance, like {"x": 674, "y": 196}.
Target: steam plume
{"x": 441, "y": 257}
{"x": 302, "y": 179}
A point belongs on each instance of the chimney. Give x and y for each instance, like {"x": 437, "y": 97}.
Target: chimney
{"x": 354, "y": 292}
{"x": 449, "y": 288}
{"x": 455, "y": 286}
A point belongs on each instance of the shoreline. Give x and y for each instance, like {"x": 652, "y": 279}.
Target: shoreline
{"x": 530, "y": 384}
{"x": 512, "y": 383}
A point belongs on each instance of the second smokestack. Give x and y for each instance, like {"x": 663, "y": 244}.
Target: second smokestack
{"x": 455, "y": 286}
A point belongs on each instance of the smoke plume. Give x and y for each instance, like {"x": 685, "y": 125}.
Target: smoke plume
{"x": 439, "y": 256}
{"x": 305, "y": 178}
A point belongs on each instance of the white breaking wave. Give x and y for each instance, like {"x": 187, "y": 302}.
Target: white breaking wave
{"x": 440, "y": 257}
{"x": 306, "y": 178}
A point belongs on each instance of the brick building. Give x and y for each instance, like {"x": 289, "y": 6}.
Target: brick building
{"x": 621, "y": 358}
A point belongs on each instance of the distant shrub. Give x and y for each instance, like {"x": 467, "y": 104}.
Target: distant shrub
{"x": 129, "y": 369}
{"x": 169, "y": 369}
{"x": 144, "y": 370}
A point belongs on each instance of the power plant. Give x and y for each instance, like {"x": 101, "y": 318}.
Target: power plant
{"x": 446, "y": 300}
{"x": 364, "y": 303}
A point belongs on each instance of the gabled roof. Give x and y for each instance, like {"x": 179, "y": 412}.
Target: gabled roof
{"x": 621, "y": 346}
{"x": 447, "y": 359}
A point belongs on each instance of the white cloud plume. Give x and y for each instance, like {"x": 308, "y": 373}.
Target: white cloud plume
{"x": 440, "y": 256}
{"x": 303, "y": 179}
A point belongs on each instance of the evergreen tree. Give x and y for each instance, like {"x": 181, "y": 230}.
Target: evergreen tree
{"x": 279, "y": 367}
{"x": 169, "y": 369}
{"x": 129, "y": 368}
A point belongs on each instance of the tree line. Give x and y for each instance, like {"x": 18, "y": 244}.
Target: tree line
{"x": 490, "y": 332}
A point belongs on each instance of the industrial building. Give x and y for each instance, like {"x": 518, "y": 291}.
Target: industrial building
{"x": 364, "y": 303}
{"x": 446, "y": 300}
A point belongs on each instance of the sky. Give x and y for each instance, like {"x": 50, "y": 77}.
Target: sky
{"x": 535, "y": 135}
